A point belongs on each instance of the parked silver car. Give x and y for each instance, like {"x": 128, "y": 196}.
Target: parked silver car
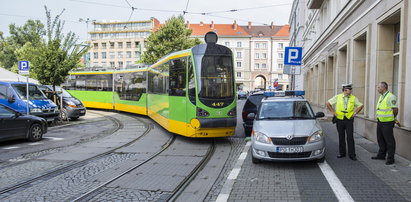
{"x": 285, "y": 128}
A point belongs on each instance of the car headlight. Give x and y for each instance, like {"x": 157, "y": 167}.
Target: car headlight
{"x": 316, "y": 136}
{"x": 35, "y": 110}
{"x": 261, "y": 137}
{"x": 71, "y": 104}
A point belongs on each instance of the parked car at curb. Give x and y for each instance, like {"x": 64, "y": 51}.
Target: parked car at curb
{"x": 73, "y": 108}
{"x": 13, "y": 95}
{"x": 250, "y": 106}
{"x": 15, "y": 125}
{"x": 285, "y": 128}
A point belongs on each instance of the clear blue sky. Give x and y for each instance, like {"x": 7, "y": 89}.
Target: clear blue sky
{"x": 257, "y": 11}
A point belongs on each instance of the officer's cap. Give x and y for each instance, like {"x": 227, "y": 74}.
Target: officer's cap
{"x": 349, "y": 86}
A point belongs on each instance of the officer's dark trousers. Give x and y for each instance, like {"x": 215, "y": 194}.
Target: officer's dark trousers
{"x": 385, "y": 138}
{"x": 343, "y": 127}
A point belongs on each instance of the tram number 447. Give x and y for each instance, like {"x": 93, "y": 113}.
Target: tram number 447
{"x": 217, "y": 104}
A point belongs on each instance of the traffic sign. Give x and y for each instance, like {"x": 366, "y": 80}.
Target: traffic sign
{"x": 24, "y": 67}
{"x": 293, "y": 55}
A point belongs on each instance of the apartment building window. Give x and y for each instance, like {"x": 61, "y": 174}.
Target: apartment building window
{"x": 120, "y": 64}
{"x": 264, "y": 45}
{"x": 257, "y": 45}
{"x": 128, "y": 54}
{"x": 227, "y": 44}
{"x": 238, "y": 74}
{"x": 263, "y": 66}
{"x": 120, "y": 54}
{"x": 239, "y": 55}
{"x": 239, "y": 44}
{"x": 257, "y": 66}
{"x": 280, "y": 76}
{"x": 120, "y": 44}
{"x": 280, "y": 45}
{"x": 103, "y": 55}
{"x": 280, "y": 66}
{"x": 103, "y": 45}
{"x": 95, "y": 64}
{"x": 95, "y": 45}
{"x": 128, "y": 44}
{"x": 137, "y": 54}
{"x": 280, "y": 55}
{"x": 104, "y": 64}
{"x": 112, "y": 55}
{"x": 264, "y": 55}
{"x": 238, "y": 64}
{"x": 137, "y": 44}
{"x": 257, "y": 55}
{"x": 111, "y": 45}
{"x": 112, "y": 64}
{"x": 95, "y": 55}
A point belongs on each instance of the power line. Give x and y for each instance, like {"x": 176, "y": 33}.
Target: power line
{"x": 113, "y": 5}
{"x": 185, "y": 10}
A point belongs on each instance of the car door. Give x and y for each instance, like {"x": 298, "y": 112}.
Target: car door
{"x": 11, "y": 125}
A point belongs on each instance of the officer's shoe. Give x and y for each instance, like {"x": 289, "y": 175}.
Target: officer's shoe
{"x": 378, "y": 158}
{"x": 389, "y": 162}
{"x": 341, "y": 156}
{"x": 353, "y": 158}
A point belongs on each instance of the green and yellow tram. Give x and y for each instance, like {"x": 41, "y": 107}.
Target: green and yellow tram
{"x": 189, "y": 92}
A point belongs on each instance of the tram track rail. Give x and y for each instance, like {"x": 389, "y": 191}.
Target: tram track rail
{"x": 62, "y": 170}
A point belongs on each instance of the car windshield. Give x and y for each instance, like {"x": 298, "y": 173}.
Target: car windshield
{"x": 63, "y": 91}
{"x": 286, "y": 110}
{"x": 34, "y": 92}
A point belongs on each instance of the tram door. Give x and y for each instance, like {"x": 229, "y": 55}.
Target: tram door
{"x": 177, "y": 93}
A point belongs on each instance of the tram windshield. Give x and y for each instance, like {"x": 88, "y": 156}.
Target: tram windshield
{"x": 216, "y": 77}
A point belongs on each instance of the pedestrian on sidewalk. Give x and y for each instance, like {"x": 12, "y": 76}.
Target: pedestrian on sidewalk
{"x": 347, "y": 106}
{"x": 387, "y": 110}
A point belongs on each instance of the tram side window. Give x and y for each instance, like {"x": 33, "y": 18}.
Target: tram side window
{"x": 178, "y": 77}
{"x": 191, "y": 82}
{"x": 158, "y": 79}
{"x": 94, "y": 82}
{"x": 130, "y": 86}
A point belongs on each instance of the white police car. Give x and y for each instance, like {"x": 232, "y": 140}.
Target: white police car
{"x": 285, "y": 128}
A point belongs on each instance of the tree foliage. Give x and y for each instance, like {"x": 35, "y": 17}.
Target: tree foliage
{"x": 172, "y": 36}
{"x": 56, "y": 54}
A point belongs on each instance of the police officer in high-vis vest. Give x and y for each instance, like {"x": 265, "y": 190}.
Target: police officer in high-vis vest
{"x": 386, "y": 112}
{"x": 347, "y": 106}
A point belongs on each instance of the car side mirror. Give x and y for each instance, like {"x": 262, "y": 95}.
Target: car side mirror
{"x": 319, "y": 115}
{"x": 17, "y": 114}
{"x": 11, "y": 98}
{"x": 251, "y": 116}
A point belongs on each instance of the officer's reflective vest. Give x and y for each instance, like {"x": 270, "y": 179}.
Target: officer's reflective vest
{"x": 341, "y": 110}
{"x": 384, "y": 112}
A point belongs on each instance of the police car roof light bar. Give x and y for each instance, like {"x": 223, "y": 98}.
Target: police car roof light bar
{"x": 284, "y": 93}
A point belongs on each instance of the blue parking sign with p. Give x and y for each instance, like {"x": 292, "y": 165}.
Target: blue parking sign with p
{"x": 24, "y": 67}
{"x": 293, "y": 55}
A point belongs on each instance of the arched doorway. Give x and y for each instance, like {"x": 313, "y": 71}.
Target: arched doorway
{"x": 260, "y": 82}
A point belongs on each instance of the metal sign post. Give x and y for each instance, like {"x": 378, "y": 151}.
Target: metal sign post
{"x": 24, "y": 69}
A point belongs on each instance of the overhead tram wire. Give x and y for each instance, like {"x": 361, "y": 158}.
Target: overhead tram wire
{"x": 132, "y": 10}
{"x": 185, "y": 11}
{"x": 118, "y": 6}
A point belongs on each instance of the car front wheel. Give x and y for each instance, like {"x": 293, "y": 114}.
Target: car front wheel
{"x": 35, "y": 133}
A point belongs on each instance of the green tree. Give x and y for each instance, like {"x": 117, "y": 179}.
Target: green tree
{"x": 55, "y": 56}
{"x": 31, "y": 32}
{"x": 172, "y": 36}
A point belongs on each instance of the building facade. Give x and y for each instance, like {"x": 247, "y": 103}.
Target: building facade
{"x": 119, "y": 44}
{"x": 258, "y": 52}
{"x": 362, "y": 42}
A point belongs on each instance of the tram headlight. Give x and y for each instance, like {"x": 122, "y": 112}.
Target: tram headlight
{"x": 232, "y": 112}
{"x": 202, "y": 112}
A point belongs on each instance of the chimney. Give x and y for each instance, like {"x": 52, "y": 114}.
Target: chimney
{"x": 235, "y": 25}
{"x": 272, "y": 25}
{"x": 212, "y": 25}
{"x": 201, "y": 23}
{"x": 249, "y": 24}
{"x": 188, "y": 24}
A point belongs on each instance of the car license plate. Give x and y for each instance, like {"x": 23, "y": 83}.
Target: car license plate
{"x": 82, "y": 111}
{"x": 289, "y": 149}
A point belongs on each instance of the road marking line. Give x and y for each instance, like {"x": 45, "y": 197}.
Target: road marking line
{"x": 11, "y": 147}
{"x": 338, "y": 188}
{"x": 229, "y": 182}
{"x": 36, "y": 143}
{"x": 54, "y": 138}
